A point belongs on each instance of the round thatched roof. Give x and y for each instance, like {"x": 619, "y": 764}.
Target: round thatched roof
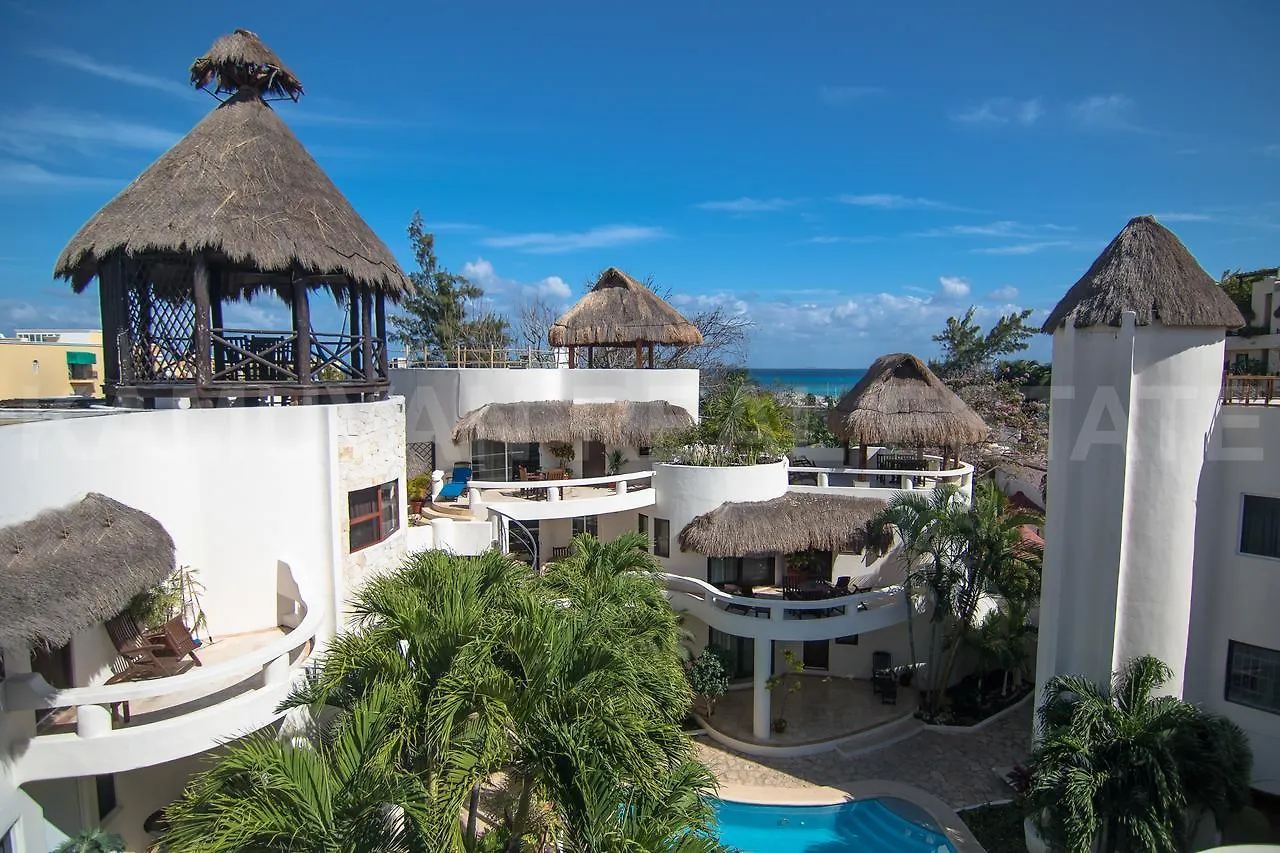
{"x": 69, "y": 568}
{"x": 796, "y": 521}
{"x": 1147, "y": 270}
{"x": 624, "y": 423}
{"x": 240, "y": 188}
{"x": 620, "y": 311}
{"x": 900, "y": 401}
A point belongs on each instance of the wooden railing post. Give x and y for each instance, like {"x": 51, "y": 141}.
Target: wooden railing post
{"x": 380, "y": 330}
{"x": 353, "y": 298}
{"x": 366, "y": 336}
{"x": 200, "y": 294}
{"x": 301, "y": 332}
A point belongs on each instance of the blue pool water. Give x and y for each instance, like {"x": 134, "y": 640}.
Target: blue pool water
{"x": 864, "y": 826}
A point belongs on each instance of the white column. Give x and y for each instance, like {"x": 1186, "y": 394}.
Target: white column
{"x": 760, "y": 711}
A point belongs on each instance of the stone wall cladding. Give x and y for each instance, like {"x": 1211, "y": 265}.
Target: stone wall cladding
{"x": 369, "y": 442}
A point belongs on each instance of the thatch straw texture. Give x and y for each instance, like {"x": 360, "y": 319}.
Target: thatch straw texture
{"x": 70, "y": 568}
{"x": 797, "y": 521}
{"x": 620, "y": 311}
{"x": 1147, "y": 270}
{"x": 900, "y": 401}
{"x": 624, "y": 423}
{"x": 239, "y": 60}
{"x": 241, "y": 189}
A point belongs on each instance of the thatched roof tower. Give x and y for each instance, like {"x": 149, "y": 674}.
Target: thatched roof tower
{"x": 1147, "y": 270}
{"x": 621, "y": 312}
{"x": 796, "y": 521}
{"x": 900, "y": 401}
{"x": 235, "y": 207}
{"x": 69, "y": 568}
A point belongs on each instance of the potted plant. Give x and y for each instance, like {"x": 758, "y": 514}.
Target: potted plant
{"x": 615, "y": 462}
{"x": 778, "y": 682}
{"x": 564, "y": 453}
{"x": 419, "y": 489}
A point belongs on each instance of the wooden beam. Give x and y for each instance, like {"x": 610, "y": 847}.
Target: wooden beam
{"x": 639, "y": 355}
{"x": 651, "y": 356}
{"x": 110, "y": 298}
{"x": 215, "y": 313}
{"x": 380, "y": 330}
{"x": 366, "y": 329}
{"x": 573, "y": 356}
{"x": 353, "y": 303}
{"x": 200, "y": 295}
{"x": 302, "y": 332}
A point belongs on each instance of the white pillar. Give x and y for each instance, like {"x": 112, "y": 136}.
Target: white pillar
{"x": 93, "y": 720}
{"x": 760, "y": 711}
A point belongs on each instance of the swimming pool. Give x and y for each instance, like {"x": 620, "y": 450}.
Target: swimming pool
{"x": 863, "y": 826}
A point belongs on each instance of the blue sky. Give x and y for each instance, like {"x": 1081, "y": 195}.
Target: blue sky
{"x": 846, "y": 174}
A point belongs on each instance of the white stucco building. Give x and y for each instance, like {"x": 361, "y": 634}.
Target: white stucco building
{"x": 1163, "y": 527}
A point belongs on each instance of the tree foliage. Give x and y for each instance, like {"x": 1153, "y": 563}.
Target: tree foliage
{"x": 1122, "y": 769}
{"x": 437, "y": 318}
{"x": 1239, "y": 286}
{"x": 709, "y": 678}
{"x": 965, "y": 347}
{"x": 461, "y": 671}
{"x": 740, "y": 425}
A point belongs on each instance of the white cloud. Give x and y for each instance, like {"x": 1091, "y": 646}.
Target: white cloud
{"x": 1184, "y": 217}
{"x": 1002, "y": 111}
{"x": 1004, "y": 228}
{"x": 840, "y": 95}
{"x": 1271, "y": 150}
{"x": 1002, "y": 294}
{"x": 39, "y": 132}
{"x": 115, "y": 73}
{"x": 259, "y": 314}
{"x": 24, "y": 177}
{"x": 1023, "y": 248}
{"x": 549, "y": 243}
{"x": 506, "y": 291}
{"x": 892, "y": 201}
{"x": 953, "y": 287}
{"x": 1103, "y": 112}
{"x": 747, "y": 205}
{"x": 831, "y": 239}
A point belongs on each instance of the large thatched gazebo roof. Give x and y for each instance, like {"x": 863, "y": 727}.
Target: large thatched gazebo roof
{"x": 242, "y": 188}
{"x": 796, "y": 521}
{"x": 236, "y": 207}
{"x": 621, "y": 312}
{"x": 623, "y": 423}
{"x": 69, "y": 568}
{"x": 1147, "y": 270}
{"x": 901, "y": 401}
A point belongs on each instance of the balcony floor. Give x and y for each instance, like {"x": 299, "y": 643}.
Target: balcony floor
{"x": 823, "y": 709}
{"x": 221, "y": 650}
{"x": 567, "y": 494}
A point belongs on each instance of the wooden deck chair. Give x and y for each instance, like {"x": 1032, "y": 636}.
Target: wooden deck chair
{"x": 176, "y": 638}
{"x": 143, "y": 659}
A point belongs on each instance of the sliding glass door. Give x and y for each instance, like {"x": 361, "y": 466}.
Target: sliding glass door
{"x": 498, "y": 460}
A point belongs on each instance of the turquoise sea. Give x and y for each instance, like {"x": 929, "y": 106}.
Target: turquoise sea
{"x": 828, "y": 382}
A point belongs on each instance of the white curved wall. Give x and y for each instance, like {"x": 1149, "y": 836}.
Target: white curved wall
{"x": 684, "y": 492}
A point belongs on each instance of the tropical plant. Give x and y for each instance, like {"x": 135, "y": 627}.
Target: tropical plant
{"x": 1122, "y": 769}
{"x": 483, "y": 671}
{"x": 419, "y": 487}
{"x": 709, "y": 679}
{"x": 784, "y": 684}
{"x": 563, "y": 452}
{"x": 615, "y": 462}
{"x": 740, "y": 425}
{"x": 177, "y": 595}
{"x": 92, "y": 841}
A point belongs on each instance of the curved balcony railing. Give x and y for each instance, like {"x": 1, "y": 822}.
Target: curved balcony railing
{"x": 194, "y": 711}
{"x": 781, "y": 619}
{"x": 815, "y": 478}
{"x": 537, "y": 499}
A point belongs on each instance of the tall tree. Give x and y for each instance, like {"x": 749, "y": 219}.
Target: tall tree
{"x": 437, "y": 319}
{"x": 965, "y": 347}
{"x": 1120, "y": 769}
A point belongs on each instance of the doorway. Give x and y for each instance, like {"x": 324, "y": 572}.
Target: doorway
{"x": 817, "y": 654}
{"x": 593, "y": 459}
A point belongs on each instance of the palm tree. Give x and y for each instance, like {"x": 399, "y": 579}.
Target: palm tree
{"x": 1121, "y": 770}
{"x": 747, "y": 422}
{"x": 92, "y": 841}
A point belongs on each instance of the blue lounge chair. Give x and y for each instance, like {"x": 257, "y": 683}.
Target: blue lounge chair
{"x": 457, "y": 483}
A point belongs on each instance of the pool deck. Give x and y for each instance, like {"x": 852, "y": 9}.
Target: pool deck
{"x": 820, "y": 795}
{"x": 957, "y": 767}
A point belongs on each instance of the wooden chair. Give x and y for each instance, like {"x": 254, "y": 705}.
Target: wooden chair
{"x": 560, "y": 552}
{"x": 142, "y": 658}
{"x": 882, "y": 673}
{"x": 176, "y": 638}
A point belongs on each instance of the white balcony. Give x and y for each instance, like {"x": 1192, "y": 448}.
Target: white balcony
{"x": 113, "y": 728}
{"x": 542, "y": 499}
{"x": 882, "y": 483}
{"x": 780, "y": 619}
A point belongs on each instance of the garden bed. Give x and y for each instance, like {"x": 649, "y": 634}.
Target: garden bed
{"x": 974, "y": 700}
{"x": 998, "y": 828}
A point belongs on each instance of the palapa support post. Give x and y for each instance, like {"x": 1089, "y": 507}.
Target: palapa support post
{"x": 573, "y": 356}
{"x": 639, "y": 355}
{"x": 302, "y": 332}
{"x": 380, "y": 330}
{"x": 366, "y": 326}
{"x": 591, "y": 356}
{"x": 353, "y": 300}
{"x": 215, "y": 314}
{"x": 862, "y": 463}
{"x": 200, "y": 295}
{"x": 651, "y": 356}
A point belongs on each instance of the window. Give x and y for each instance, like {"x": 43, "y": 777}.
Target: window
{"x": 850, "y": 640}
{"x": 497, "y": 460}
{"x": 642, "y": 527}
{"x": 81, "y": 372}
{"x": 1253, "y": 677}
{"x": 374, "y": 514}
{"x": 105, "y": 787}
{"x": 587, "y": 524}
{"x": 661, "y": 537}
{"x": 742, "y": 571}
{"x": 742, "y": 651}
{"x": 1260, "y": 526}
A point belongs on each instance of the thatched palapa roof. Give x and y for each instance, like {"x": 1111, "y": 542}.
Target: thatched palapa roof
{"x": 624, "y": 423}
{"x": 901, "y": 401}
{"x": 241, "y": 189}
{"x": 620, "y": 311}
{"x": 1147, "y": 270}
{"x": 70, "y": 568}
{"x": 797, "y": 521}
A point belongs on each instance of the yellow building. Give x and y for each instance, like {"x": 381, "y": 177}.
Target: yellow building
{"x": 41, "y": 363}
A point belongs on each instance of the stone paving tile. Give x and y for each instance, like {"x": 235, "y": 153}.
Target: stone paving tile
{"x": 957, "y": 768}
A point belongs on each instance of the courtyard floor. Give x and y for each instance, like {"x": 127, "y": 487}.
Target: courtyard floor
{"x": 823, "y": 709}
{"x": 955, "y": 767}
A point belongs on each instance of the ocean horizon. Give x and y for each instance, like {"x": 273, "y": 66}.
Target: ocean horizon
{"x": 823, "y": 381}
